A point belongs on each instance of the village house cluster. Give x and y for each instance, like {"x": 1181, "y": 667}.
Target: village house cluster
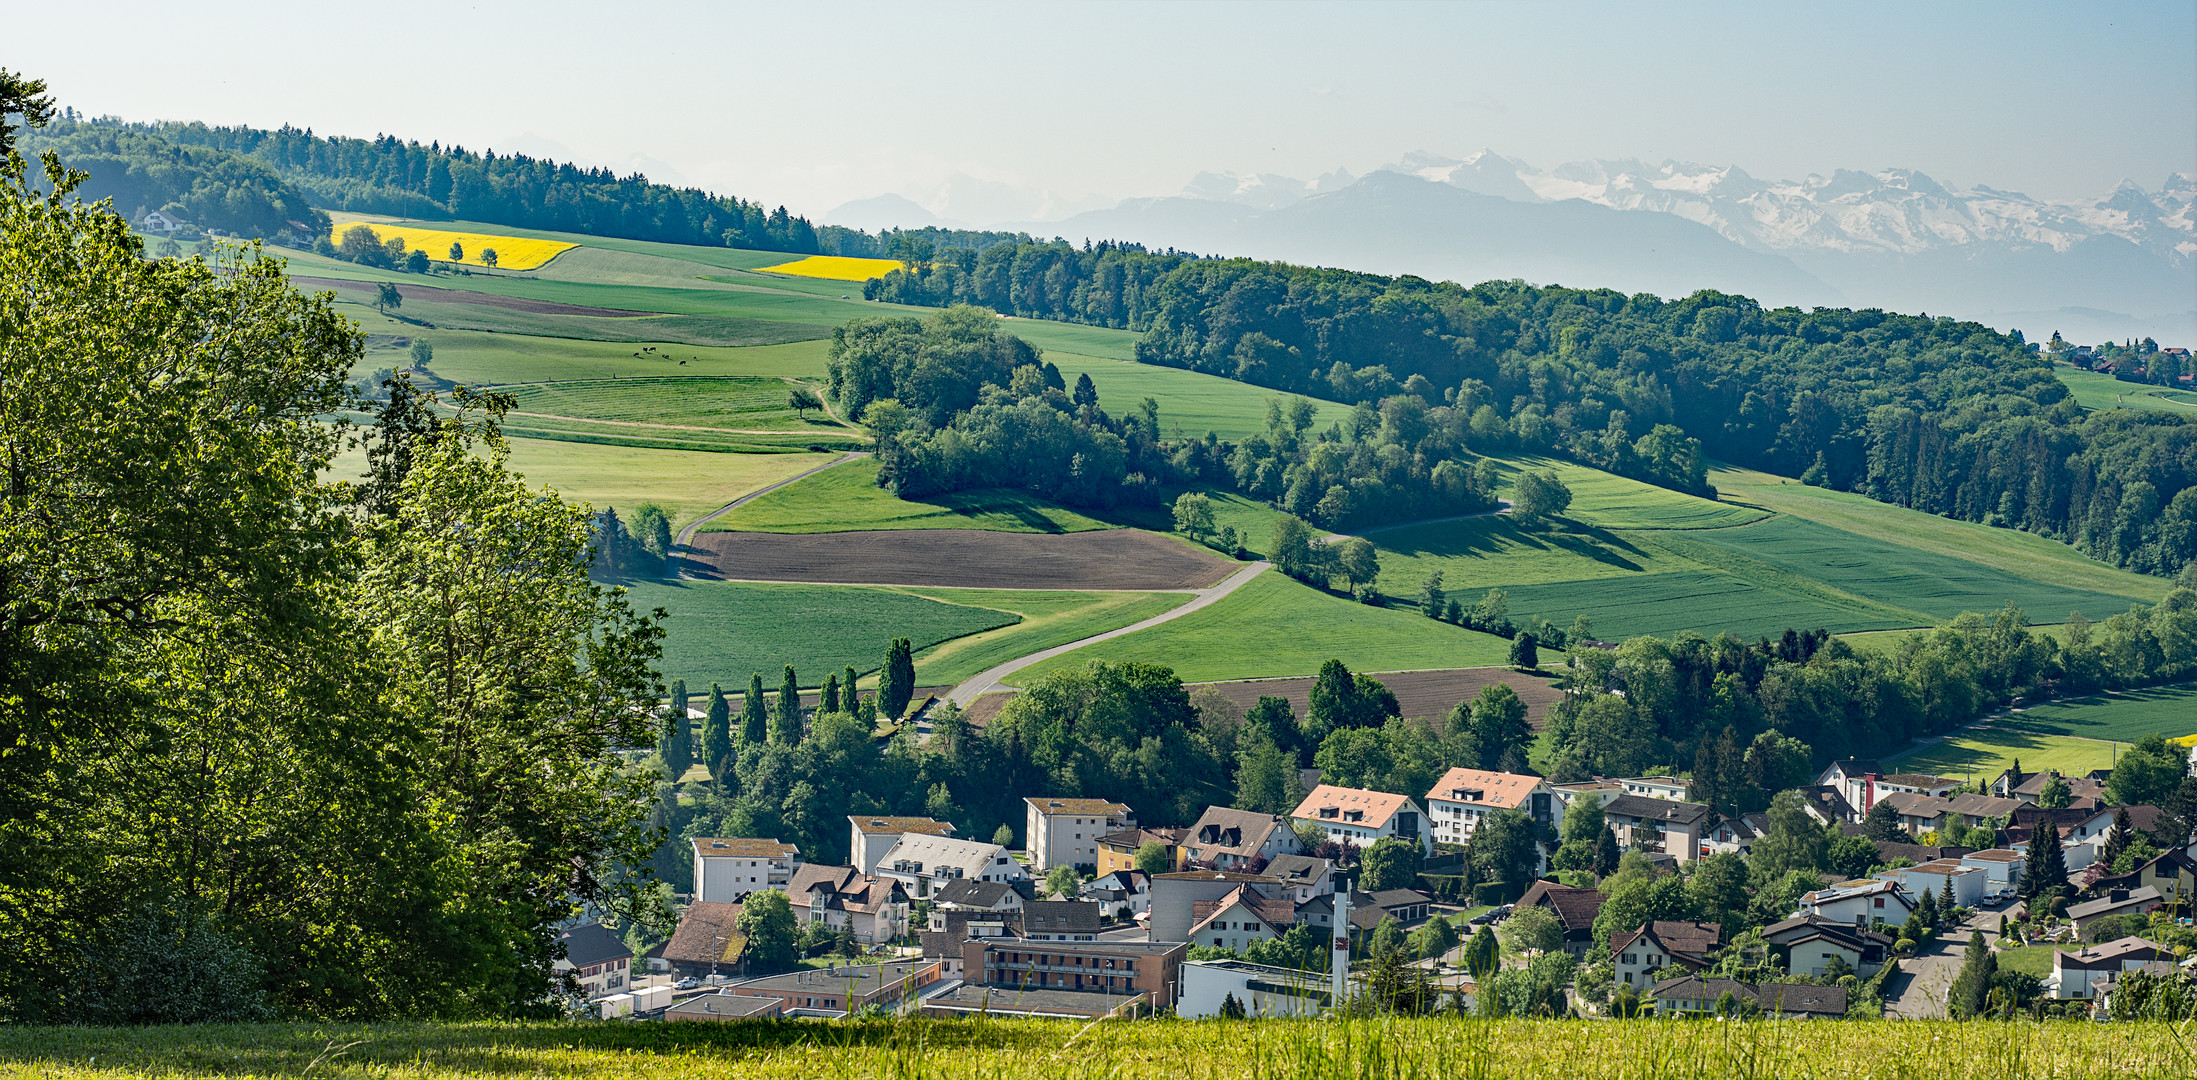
{"x": 954, "y": 926}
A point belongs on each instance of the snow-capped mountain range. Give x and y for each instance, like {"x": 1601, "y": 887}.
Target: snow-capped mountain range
{"x": 1897, "y": 211}
{"x": 2120, "y": 265}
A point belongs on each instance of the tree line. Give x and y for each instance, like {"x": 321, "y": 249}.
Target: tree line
{"x": 1939, "y": 415}
{"x": 204, "y": 187}
{"x": 278, "y": 744}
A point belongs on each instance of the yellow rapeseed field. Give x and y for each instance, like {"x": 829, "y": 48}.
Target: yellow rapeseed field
{"x": 836, "y": 268}
{"x": 512, "y": 252}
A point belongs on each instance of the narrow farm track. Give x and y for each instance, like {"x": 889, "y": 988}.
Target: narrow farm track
{"x": 686, "y": 535}
{"x": 977, "y": 685}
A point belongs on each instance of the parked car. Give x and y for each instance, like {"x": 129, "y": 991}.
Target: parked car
{"x": 689, "y": 983}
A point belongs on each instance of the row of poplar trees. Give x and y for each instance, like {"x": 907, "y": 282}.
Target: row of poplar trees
{"x": 779, "y": 722}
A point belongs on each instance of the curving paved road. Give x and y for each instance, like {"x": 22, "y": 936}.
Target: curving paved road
{"x": 686, "y": 535}
{"x": 987, "y": 681}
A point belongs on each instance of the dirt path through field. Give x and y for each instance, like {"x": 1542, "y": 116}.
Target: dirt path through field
{"x": 977, "y": 685}
{"x": 679, "y": 546}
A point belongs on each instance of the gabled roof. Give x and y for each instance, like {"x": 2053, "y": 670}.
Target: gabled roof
{"x": 2077, "y": 786}
{"x": 1331, "y": 805}
{"x": 1278, "y": 915}
{"x": 1975, "y": 805}
{"x": 1223, "y": 830}
{"x": 2114, "y": 901}
{"x": 592, "y": 943}
{"x": 1827, "y": 801}
{"x": 890, "y": 825}
{"x": 1909, "y": 804}
{"x": 1659, "y": 810}
{"x": 1575, "y": 908}
{"x": 1479, "y": 787}
{"x": 1060, "y": 917}
{"x": 1128, "y": 881}
{"x": 1805, "y": 927}
{"x": 1771, "y": 997}
{"x": 1082, "y": 807}
{"x": 1855, "y": 767}
{"x": 1132, "y": 839}
{"x": 1687, "y": 942}
{"x": 708, "y": 931}
{"x": 811, "y": 875}
{"x": 738, "y": 847}
{"x": 974, "y": 857}
{"x": 2110, "y": 954}
{"x": 1297, "y": 869}
{"x": 1917, "y": 780}
{"x": 969, "y": 892}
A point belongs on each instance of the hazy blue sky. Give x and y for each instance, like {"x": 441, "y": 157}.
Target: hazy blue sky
{"x": 815, "y": 104}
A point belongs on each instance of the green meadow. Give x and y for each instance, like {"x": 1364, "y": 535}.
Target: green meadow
{"x": 2099, "y": 390}
{"x": 1274, "y": 627}
{"x": 1048, "y": 619}
{"x": 2120, "y": 717}
{"x": 720, "y": 631}
{"x": 739, "y": 403}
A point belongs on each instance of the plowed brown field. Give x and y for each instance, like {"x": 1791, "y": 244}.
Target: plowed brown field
{"x": 958, "y": 558}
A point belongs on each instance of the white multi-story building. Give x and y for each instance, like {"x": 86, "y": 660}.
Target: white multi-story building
{"x": 1065, "y": 832}
{"x": 1364, "y": 818}
{"x": 1463, "y": 798}
{"x": 728, "y": 868}
{"x": 924, "y": 864}
{"x": 873, "y": 836}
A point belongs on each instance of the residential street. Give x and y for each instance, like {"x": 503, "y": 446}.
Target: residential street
{"x": 1918, "y": 991}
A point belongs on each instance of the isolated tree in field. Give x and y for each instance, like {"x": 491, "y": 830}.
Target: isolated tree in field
{"x": 360, "y": 245}
{"x": 754, "y": 718}
{"x": 416, "y": 263}
{"x": 896, "y": 683}
{"x": 785, "y": 721}
{"x": 1538, "y": 496}
{"x": 457, "y": 251}
{"x": 717, "y": 735}
{"x": 1292, "y": 551}
{"x": 1525, "y": 653}
{"x": 1431, "y": 596}
{"x": 1357, "y": 562}
{"x": 652, "y": 528}
{"x": 488, "y": 258}
{"x": 423, "y": 353}
{"x": 1085, "y": 393}
{"x": 801, "y": 399}
{"x": 1194, "y": 514}
{"x": 386, "y": 297}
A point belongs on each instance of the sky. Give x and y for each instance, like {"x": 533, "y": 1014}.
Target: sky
{"x": 815, "y": 104}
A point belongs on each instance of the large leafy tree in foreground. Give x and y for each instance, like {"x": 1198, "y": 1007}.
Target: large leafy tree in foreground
{"x": 265, "y": 750}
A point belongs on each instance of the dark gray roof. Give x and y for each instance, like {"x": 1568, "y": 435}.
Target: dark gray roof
{"x": 1296, "y": 868}
{"x": 1060, "y": 917}
{"x": 974, "y": 893}
{"x": 1778, "y": 997}
{"x": 854, "y": 978}
{"x": 1026, "y": 1001}
{"x": 723, "y": 1006}
{"x": 592, "y": 943}
{"x": 1635, "y": 806}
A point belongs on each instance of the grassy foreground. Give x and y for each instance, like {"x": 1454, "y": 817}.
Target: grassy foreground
{"x": 1180, "y": 1050}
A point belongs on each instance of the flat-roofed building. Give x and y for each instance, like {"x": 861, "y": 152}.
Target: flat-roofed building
{"x": 1066, "y": 832}
{"x": 728, "y": 868}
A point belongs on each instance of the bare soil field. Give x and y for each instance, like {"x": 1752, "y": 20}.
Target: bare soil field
{"x": 436, "y": 295}
{"x": 984, "y": 709}
{"x": 1418, "y": 693}
{"x": 958, "y": 558}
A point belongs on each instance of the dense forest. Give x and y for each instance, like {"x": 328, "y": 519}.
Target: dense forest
{"x": 1939, "y": 415}
{"x": 208, "y": 188}
{"x": 957, "y": 403}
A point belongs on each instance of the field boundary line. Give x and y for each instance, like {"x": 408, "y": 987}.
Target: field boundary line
{"x": 983, "y": 682}
{"x": 676, "y": 427}
{"x": 686, "y": 535}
